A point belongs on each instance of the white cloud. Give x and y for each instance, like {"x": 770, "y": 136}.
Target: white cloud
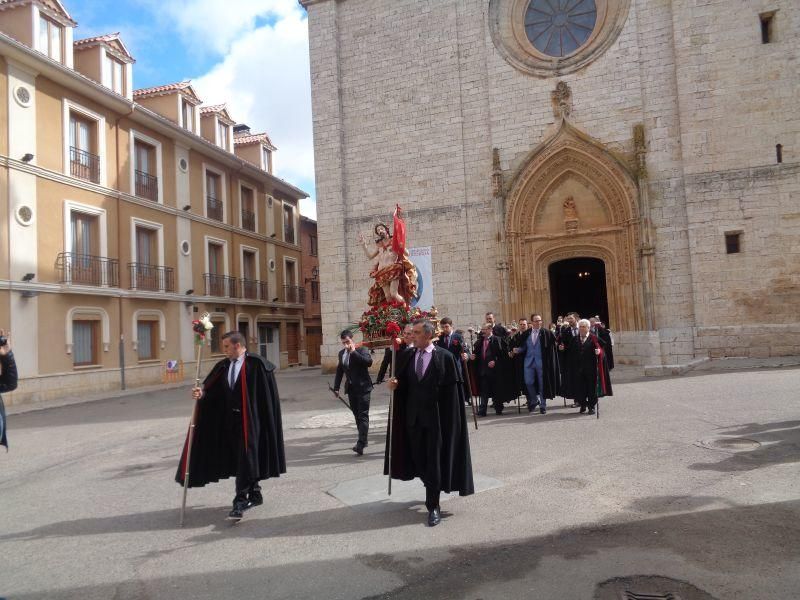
{"x": 264, "y": 79}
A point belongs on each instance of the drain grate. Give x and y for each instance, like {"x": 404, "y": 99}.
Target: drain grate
{"x": 648, "y": 587}
{"x": 628, "y": 595}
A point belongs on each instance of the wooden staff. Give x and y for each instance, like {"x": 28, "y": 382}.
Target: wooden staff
{"x": 191, "y": 435}
{"x": 391, "y": 415}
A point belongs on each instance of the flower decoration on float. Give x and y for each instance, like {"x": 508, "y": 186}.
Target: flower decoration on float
{"x": 374, "y": 322}
{"x": 201, "y": 328}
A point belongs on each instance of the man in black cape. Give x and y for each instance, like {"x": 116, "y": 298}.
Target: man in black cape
{"x": 494, "y": 369}
{"x": 238, "y": 430}
{"x": 429, "y": 436}
{"x": 453, "y": 342}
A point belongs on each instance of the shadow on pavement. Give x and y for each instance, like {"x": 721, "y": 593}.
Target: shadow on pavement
{"x": 780, "y": 444}
{"x": 334, "y": 449}
{"x": 333, "y": 521}
{"x": 738, "y": 543}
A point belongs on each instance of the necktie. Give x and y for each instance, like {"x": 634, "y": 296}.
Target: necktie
{"x": 232, "y": 376}
{"x": 420, "y": 365}
{"x": 346, "y": 359}
{"x": 535, "y": 336}
{"x": 447, "y": 341}
{"x": 485, "y": 346}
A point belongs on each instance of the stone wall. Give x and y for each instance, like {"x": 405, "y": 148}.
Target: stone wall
{"x": 411, "y": 96}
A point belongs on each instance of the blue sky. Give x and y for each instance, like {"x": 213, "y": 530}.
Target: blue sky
{"x": 239, "y": 55}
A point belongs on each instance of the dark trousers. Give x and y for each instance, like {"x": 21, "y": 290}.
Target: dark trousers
{"x": 486, "y": 383}
{"x": 359, "y": 404}
{"x": 426, "y": 451}
{"x": 586, "y": 390}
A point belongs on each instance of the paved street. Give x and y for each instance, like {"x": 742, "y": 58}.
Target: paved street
{"x": 694, "y": 481}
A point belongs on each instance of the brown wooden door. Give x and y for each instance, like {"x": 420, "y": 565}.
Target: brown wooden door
{"x": 293, "y": 342}
{"x": 313, "y": 343}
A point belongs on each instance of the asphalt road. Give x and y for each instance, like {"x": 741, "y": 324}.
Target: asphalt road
{"x": 688, "y": 486}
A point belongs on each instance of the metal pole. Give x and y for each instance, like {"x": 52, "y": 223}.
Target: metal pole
{"x": 191, "y": 436}
{"x": 391, "y": 416}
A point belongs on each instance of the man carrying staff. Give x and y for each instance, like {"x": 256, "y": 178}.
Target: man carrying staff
{"x": 238, "y": 430}
{"x": 429, "y": 436}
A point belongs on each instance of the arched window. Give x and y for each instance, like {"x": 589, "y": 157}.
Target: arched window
{"x": 559, "y": 27}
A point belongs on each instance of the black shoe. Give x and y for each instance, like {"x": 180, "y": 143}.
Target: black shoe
{"x": 434, "y": 517}
{"x": 543, "y": 411}
{"x": 236, "y": 513}
{"x": 591, "y": 411}
{"x": 481, "y": 414}
{"x": 498, "y": 412}
{"x": 582, "y": 410}
{"x": 255, "y": 499}
{"x": 358, "y": 449}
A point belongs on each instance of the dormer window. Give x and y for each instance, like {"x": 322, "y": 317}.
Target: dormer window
{"x": 222, "y": 135}
{"x": 50, "y": 38}
{"x": 116, "y": 74}
{"x": 187, "y": 115}
{"x": 266, "y": 159}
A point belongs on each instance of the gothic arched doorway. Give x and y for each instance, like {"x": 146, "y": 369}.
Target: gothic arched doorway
{"x": 578, "y": 285}
{"x": 572, "y": 200}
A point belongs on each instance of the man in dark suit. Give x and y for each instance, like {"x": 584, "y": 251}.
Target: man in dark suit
{"x": 429, "y": 429}
{"x": 453, "y": 342}
{"x": 354, "y": 364}
{"x": 568, "y": 332}
{"x": 494, "y": 369}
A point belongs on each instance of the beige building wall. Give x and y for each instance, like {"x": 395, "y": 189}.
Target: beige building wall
{"x": 167, "y": 106}
{"x": 89, "y": 61}
{"x": 42, "y": 310}
{"x": 18, "y": 23}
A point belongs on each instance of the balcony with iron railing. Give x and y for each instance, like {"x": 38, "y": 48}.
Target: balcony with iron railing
{"x": 248, "y": 220}
{"x": 252, "y": 289}
{"x": 220, "y": 285}
{"x": 294, "y": 294}
{"x": 146, "y": 185}
{"x": 84, "y": 269}
{"x": 151, "y": 278}
{"x": 84, "y": 164}
{"x": 214, "y": 208}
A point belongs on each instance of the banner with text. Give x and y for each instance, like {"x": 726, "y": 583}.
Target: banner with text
{"x": 421, "y": 257}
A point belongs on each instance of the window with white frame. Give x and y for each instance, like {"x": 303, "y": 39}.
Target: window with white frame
{"x": 266, "y": 159}
{"x": 85, "y": 342}
{"x": 51, "y": 36}
{"x": 84, "y": 143}
{"x": 248, "y": 208}
{"x": 222, "y": 134}
{"x": 214, "y": 189}
{"x": 146, "y": 165}
{"x": 187, "y": 115}
{"x": 147, "y": 335}
{"x": 147, "y": 250}
{"x": 116, "y": 74}
{"x": 288, "y": 224}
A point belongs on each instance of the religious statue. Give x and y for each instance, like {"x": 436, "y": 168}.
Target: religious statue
{"x": 570, "y": 215}
{"x": 394, "y": 274}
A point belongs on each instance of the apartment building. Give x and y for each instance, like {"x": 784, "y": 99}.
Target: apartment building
{"x": 127, "y": 213}
{"x": 312, "y": 316}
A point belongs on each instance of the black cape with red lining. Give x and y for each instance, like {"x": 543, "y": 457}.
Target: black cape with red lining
{"x": 213, "y": 457}
{"x": 455, "y": 459}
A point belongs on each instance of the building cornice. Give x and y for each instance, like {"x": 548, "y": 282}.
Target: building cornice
{"x": 72, "y": 80}
{"x": 115, "y": 292}
{"x": 58, "y": 177}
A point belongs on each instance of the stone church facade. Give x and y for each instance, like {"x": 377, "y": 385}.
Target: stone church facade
{"x": 636, "y": 159}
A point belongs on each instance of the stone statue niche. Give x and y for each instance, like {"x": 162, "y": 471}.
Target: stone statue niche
{"x": 570, "y": 215}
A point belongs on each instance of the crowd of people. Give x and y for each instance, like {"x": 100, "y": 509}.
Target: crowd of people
{"x": 572, "y": 358}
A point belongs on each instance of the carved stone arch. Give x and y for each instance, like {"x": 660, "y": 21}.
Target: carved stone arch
{"x": 571, "y": 197}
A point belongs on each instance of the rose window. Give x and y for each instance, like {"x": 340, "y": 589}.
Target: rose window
{"x": 559, "y": 27}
